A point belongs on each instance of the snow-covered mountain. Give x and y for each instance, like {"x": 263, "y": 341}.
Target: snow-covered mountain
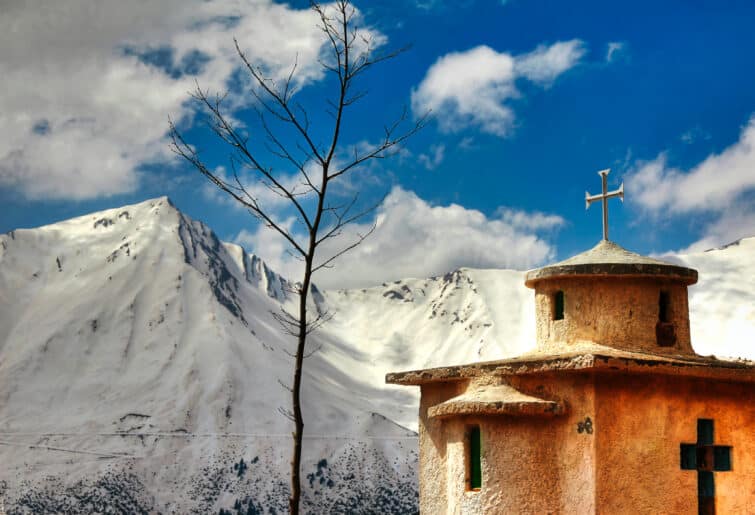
{"x": 142, "y": 370}
{"x": 140, "y": 362}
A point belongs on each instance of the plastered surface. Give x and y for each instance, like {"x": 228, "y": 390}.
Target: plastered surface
{"x": 514, "y": 451}
{"x": 640, "y": 424}
{"x": 616, "y": 449}
{"x": 616, "y": 312}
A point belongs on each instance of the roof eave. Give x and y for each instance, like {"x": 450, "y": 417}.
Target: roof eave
{"x": 672, "y": 273}
{"x": 710, "y": 368}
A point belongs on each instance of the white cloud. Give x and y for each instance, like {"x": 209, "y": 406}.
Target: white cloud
{"x": 722, "y": 186}
{"x": 442, "y": 5}
{"x": 467, "y": 143}
{"x": 530, "y": 221}
{"x": 88, "y": 84}
{"x": 614, "y": 50}
{"x": 694, "y": 135}
{"x": 413, "y": 238}
{"x": 472, "y": 88}
{"x": 545, "y": 63}
{"x": 434, "y": 158}
{"x": 469, "y": 88}
{"x": 428, "y": 5}
{"x": 733, "y": 224}
{"x": 712, "y": 185}
{"x": 269, "y": 197}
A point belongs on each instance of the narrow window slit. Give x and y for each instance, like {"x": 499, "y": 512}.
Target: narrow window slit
{"x": 558, "y": 305}
{"x": 665, "y": 332}
{"x": 475, "y": 458}
{"x": 664, "y": 306}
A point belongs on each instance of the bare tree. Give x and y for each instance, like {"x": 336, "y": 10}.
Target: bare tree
{"x": 351, "y": 52}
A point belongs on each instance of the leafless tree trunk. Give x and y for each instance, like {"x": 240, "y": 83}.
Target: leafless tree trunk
{"x": 317, "y": 166}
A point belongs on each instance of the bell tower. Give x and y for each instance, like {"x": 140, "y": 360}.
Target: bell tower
{"x": 612, "y": 297}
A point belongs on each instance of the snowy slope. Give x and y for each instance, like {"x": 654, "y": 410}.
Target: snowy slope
{"x": 463, "y": 316}
{"x": 140, "y": 360}
{"x": 136, "y": 347}
{"x": 477, "y": 315}
{"x": 722, "y": 304}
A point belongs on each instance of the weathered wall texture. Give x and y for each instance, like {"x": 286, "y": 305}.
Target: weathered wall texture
{"x": 625, "y": 460}
{"x": 616, "y": 312}
{"x": 641, "y": 422}
{"x": 433, "y": 463}
{"x": 514, "y": 451}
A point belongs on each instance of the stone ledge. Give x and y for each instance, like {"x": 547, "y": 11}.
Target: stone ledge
{"x": 665, "y": 272}
{"x": 495, "y": 400}
{"x": 591, "y": 358}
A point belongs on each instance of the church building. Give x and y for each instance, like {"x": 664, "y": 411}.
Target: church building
{"x": 613, "y": 412}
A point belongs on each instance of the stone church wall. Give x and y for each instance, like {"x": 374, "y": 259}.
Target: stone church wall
{"x": 640, "y": 423}
{"x": 621, "y": 313}
{"x": 515, "y": 450}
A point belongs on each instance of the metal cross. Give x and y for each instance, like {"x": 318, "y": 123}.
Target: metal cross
{"x": 589, "y": 199}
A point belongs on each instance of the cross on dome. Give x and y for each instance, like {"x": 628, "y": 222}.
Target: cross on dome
{"x": 589, "y": 199}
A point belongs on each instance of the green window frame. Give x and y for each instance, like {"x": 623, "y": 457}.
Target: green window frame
{"x": 475, "y": 458}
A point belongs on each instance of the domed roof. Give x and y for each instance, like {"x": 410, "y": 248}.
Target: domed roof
{"x": 609, "y": 259}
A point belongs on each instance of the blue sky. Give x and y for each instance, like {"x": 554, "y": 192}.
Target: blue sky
{"x": 529, "y": 100}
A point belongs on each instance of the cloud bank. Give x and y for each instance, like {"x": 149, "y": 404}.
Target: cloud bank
{"x": 474, "y": 88}
{"x": 88, "y": 85}
{"x": 414, "y": 238}
{"x": 722, "y": 187}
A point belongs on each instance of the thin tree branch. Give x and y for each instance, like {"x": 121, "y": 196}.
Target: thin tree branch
{"x": 279, "y": 100}
{"x": 352, "y": 52}
{"x": 361, "y": 238}
{"x": 183, "y": 149}
{"x": 388, "y": 142}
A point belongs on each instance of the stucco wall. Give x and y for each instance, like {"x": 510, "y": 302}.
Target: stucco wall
{"x": 514, "y": 451}
{"x": 617, "y": 312}
{"x": 640, "y": 423}
{"x": 433, "y": 477}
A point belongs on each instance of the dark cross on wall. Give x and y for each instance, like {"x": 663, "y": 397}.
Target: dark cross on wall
{"x": 705, "y": 458}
